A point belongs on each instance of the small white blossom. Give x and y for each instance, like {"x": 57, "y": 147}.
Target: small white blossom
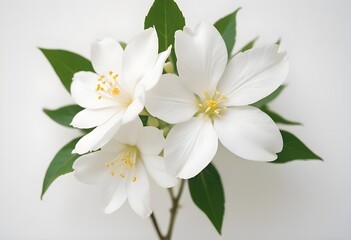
{"x": 115, "y": 94}
{"x": 122, "y": 167}
{"x": 210, "y": 99}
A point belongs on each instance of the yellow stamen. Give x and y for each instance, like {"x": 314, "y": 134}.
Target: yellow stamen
{"x": 212, "y": 105}
{"x": 108, "y": 85}
{"x": 124, "y": 163}
{"x": 115, "y": 91}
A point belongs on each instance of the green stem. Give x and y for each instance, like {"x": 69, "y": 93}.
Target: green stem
{"x": 157, "y": 228}
{"x": 173, "y": 213}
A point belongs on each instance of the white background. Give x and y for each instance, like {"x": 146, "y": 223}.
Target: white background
{"x": 296, "y": 201}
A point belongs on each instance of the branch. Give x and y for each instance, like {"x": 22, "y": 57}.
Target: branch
{"x": 154, "y": 222}
{"x": 175, "y": 205}
{"x": 173, "y": 210}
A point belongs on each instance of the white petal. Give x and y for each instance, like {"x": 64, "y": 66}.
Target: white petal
{"x": 90, "y": 168}
{"x": 190, "y": 147}
{"x": 129, "y": 133}
{"x": 83, "y": 90}
{"x": 113, "y": 146}
{"x": 249, "y": 133}
{"x": 170, "y": 100}
{"x": 88, "y": 118}
{"x": 156, "y": 168}
{"x": 253, "y": 75}
{"x": 136, "y": 106}
{"x": 99, "y": 136}
{"x": 151, "y": 141}
{"x": 201, "y": 57}
{"x": 139, "y": 191}
{"x": 139, "y": 56}
{"x": 152, "y": 77}
{"x": 106, "y": 55}
{"x": 115, "y": 194}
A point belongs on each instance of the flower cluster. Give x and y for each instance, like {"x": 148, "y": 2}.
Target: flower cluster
{"x": 208, "y": 100}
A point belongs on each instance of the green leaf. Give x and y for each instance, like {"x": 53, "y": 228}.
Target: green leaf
{"x": 63, "y": 115}
{"x": 269, "y": 98}
{"x": 60, "y": 165}
{"x": 279, "y": 41}
{"x": 277, "y": 118}
{"x": 227, "y": 28}
{"x": 207, "y": 193}
{"x": 294, "y": 149}
{"x": 248, "y": 46}
{"x": 167, "y": 18}
{"x": 66, "y": 64}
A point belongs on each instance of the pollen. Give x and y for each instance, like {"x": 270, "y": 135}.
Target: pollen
{"x": 115, "y": 91}
{"x": 108, "y": 85}
{"x": 124, "y": 164}
{"x": 212, "y": 104}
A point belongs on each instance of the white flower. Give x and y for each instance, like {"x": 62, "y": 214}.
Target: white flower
{"x": 115, "y": 94}
{"x": 209, "y": 101}
{"x": 121, "y": 167}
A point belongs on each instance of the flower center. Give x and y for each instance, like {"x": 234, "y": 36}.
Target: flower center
{"x": 124, "y": 163}
{"x": 212, "y": 104}
{"x": 108, "y": 85}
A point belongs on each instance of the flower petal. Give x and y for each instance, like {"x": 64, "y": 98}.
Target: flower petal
{"x": 106, "y": 55}
{"x": 139, "y": 191}
{"x": 100, "y": 135}
{"x": 90, "y": 168}
{"x": 150, "y": 141}
{"x": 190, "y": 147}
{"x": 113, "y": 146}
{"x": 249, "y": 133}
{"x": 129, "y": 133}
{"x": 139, "y": 56}
{"x": 136, "y": 106}
{"x": 156, "y": 168}
{"x": 202, "y": 57}
{"x": 88, "y": 118}
{"x": 170, "y": 100}
{"x": 83, "y": 90}
{"x": 152, "y": 77}
{"x": 115, "y": 194}
{"x": 253, "y": 75}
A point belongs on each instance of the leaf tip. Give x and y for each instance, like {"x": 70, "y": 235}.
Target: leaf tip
{"x": 43, "y": 50}
{"x": 43, "y": 190}
{"x": 48, "y": 112}
{"x": 219, "y": 230}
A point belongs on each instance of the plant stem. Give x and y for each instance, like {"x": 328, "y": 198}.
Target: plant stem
{"x": 154, "y": 222}
{"x": 173, "y": 213}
